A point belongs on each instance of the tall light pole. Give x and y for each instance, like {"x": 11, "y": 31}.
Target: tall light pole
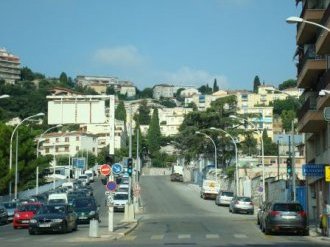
{"x": 236, "y": 156}
{"x": 260, "y": 132}
{"x": 295, "y": 19}
{"x": 39, "y": 140}
{"x": 215, "y": 153}
{"x": 11, "y": 149}
{"x": 4, "y": 96}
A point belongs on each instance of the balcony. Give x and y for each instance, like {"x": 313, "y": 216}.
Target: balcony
{"x": 310, "y": 68}
{"x": 306, "y": 33}
{"x": 324, "y": 83}
{"x": 322, "y": 44}
{"x": 310, "y": 120}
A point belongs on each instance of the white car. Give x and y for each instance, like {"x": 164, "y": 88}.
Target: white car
{"x": 120, "y": 199}
{"x": 224, "y": 197}
{"x": 90, "y": 174}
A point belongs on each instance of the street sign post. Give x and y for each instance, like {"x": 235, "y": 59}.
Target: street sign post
{"x": 111, "y": 186}
{"x": 117, "y": 168}
{"x": 105, "y": 169}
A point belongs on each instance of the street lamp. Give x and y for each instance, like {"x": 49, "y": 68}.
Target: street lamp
{"x": 236, "y": 156}
{"x": 11, "y": 150}
{"x": 324, "y": 92}
{"x": 295, "y": 19}
{"x": 37, "y": 169}
{"x": 215, "y": 153}
{"x": 260, "y": 131}
{"x": 4, "y": 96}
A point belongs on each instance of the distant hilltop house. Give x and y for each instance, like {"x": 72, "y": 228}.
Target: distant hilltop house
{"x": 10, "y": 70}
{"x": 100, "y": 84}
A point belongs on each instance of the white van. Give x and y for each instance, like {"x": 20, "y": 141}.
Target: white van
{"x": 90, "y": 174}
{"x": 68, "y": 185}
{"x": 58, "y": 198}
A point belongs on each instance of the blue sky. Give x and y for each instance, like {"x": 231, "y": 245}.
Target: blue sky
{"x": 181, "y": 42}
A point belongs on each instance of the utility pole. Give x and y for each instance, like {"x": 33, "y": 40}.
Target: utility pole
{"x": 278, "y": 159}
{"x": 293, "y": 164}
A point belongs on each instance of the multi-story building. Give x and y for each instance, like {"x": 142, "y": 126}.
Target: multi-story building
{"x": 128, "y": 90}
{"x": 163, "y": 91}
{"x": 83, "y": 80}
{"x": 67, "y": 143}
{"x": 204, "y": 101}
{"x": 10, "y": 70}
{"x": 313, "y": 75}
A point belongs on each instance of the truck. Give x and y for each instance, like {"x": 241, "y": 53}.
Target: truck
{"x": 210, "y": 189}
{"x": 177, "y": 173}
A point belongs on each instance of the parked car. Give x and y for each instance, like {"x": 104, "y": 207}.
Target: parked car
{"x": 3, "y": 215}
{"x": 119, "y": 201}
{"x": 54, "y": 218}
{"x": 86, "y": 209}
{"x": 261, "y": 211}
{"x": 241, "y": 204}
{"x": 10, "y": 207}
{"x": 288, "y": 216}
{"x": 224, "y": 197}
{"x": 24, "y": 213}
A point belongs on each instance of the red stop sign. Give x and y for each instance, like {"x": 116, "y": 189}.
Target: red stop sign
{"x": 105, "y": 169}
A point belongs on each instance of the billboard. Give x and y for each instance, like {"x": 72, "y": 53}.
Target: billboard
{"x": 73, "y": 110}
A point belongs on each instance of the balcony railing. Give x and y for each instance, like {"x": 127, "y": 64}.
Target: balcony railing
{"x": 310, "y": 104}
{"x": 324, "y": 81}
{"x": 310, "y": 54}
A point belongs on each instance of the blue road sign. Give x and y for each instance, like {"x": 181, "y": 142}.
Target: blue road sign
{"x": 111, "y": 185}
{"x": 313, "y": 170}
{"x": 117, "y": 168}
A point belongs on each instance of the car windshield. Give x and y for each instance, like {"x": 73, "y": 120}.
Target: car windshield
{"x": 287, "y": 207}
{"x": 83, "y": 203}
{"x": 121, "y": 197}
{"x": 227, "y": 193}
{"x": 244, "y": 199}
{"x": 28, "y": 207}
{"x": 9, "y": 205}
{"x": 57, "y": 201}
{"x": 52, "y": 209}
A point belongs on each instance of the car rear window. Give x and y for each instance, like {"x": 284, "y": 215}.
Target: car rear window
{"x": 28, "y": 207}
{"x": 244, "y": 199}
{"x": 227, "y": 193}
{"x": 287, "y": 207}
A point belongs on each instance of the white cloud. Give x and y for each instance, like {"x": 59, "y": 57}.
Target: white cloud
{"x": 120, "y": 56}
{"x": 194, "y": 77}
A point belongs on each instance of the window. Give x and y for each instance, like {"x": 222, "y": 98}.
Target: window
{"x": 57, "y": 139}
{"x": 66, "y": 149}
{"x": 77, "y": 148}
{"x": 77, "y": 138}
{"x": 93, "y": 149}
{"x": 66, "y": 139}
{"x": 47, "y": 150}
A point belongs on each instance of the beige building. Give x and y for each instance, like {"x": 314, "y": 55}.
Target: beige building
{"x": 128, "y": 90}
{"x": 67, "y": 143}
{"x": 204, "y": 101}
{"x": 163, "y": 91}
{"x": 10, "y": 70}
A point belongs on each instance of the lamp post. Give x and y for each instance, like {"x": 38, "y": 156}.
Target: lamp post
{"x": 11, "y": 150}
{"x": 215, "y": 153}
{"x": 4, "y": 96}
{"x": 260, "y": 132}
{"x": 295, "y": 19}
{"x": 39, "y": 140}
{"x": 236, "y": 156}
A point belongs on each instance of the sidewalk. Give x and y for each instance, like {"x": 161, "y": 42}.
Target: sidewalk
{"x": 315, "y": 234}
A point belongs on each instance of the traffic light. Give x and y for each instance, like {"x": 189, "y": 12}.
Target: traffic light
{"x": 130, "y": 166}
{"x": 289, "y": 166}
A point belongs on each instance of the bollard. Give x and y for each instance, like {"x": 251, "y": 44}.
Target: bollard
{"x": 94, "y": 228}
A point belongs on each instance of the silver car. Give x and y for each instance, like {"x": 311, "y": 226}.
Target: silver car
{"x": 224, "y": 197}
{"x": 241, "y": 204}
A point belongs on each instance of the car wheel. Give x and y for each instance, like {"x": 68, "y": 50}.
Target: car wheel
{"x": 75, "y": 228}
{"x": 267, "y": 230}
{"x": 258, "y": 221}
{"x": 65, "y": 227}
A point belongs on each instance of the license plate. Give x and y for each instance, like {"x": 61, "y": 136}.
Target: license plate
{"x": 288, "y": 217}
{"x": 25, "y": 221}
{"x": 44, "y": 225}
{"x": 82, "y": 218}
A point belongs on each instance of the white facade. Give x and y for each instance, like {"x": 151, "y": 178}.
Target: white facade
{"x": 163, "y": 91}
{"x": 189, "y": 92}
{"x": 128, "y": 90}
{"x": 102, "y": 132}
{"x": 67, "y": 143}
{"x": 9, "y": 67}
{"x": 88, "y": 80}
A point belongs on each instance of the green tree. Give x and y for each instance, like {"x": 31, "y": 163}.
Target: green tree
{"x": 205, "y": 89}
{"x": 270, "y": 148}
{"x": 287, "y": 117}
{"x": 145, "y": 93}
{"x": 215, "y": 86}
{"x": 110, "y": 90}
{"x": 169, "y": 103}
{"x": 64, "y": 78}
{"x": 154, "y": 135}
{"x": 290, "y": 103}
{"x": 120, "y": 112}
{"x": 287, "y": 84}
{"x": 143, "y": 113}
{"x": 178, "y": 95}
{"x": 256, "y": 84}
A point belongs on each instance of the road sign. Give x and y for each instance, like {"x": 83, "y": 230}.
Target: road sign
{"x": 117, "y": 168}
{"x": 105, "y": 169}
{"x": 313, "y": 170}
{"x": 327, "y": 173}
{"x": 111, "y": 186}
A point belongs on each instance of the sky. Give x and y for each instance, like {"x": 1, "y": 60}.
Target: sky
{"x": 148, "y": 42}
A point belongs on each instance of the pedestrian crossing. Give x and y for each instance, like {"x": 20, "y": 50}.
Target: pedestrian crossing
{"x": 183, "y": 236}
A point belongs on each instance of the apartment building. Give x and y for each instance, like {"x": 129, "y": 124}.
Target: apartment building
{"x": 204, "y": 101}
{"x": 83, "y": 80}
{"x": 313, "y": 75}
{"x": 67, "y": 143}
{"x": 163, "y": 91}
{"x": 10, "y": 70}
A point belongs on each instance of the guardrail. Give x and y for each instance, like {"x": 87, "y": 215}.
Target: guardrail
{"x": 27, "y": 193}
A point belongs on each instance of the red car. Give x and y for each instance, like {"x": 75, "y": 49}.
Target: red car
{"x": 24, "y": 213}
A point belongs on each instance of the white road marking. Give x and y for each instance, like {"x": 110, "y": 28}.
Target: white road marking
{"x": 240, "y": 236}
{"x": 157, "y": 237}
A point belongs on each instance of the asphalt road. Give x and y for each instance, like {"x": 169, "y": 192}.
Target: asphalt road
{"x": 174, "y": 215}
